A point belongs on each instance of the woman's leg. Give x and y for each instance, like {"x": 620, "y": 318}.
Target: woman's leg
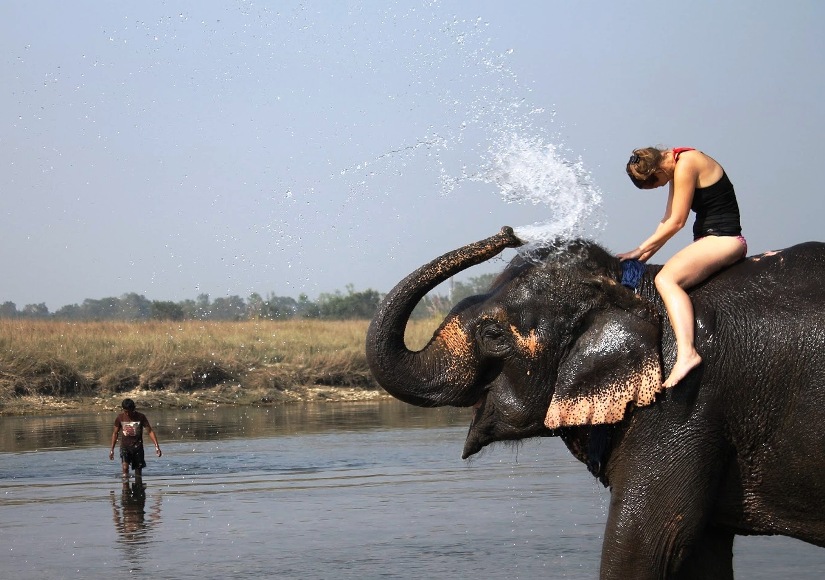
{"x": 687, "y": 268}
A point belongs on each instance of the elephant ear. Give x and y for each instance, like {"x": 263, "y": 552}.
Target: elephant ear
{"x": 615, "y": 361}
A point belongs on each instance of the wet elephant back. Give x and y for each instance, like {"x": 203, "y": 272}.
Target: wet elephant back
{"x": 761, "y": 324}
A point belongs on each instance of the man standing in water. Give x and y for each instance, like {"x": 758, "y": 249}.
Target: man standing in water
{"x": 132, "y": 423}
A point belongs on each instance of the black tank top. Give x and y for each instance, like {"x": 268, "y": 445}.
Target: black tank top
{"x": 717, "y": 213}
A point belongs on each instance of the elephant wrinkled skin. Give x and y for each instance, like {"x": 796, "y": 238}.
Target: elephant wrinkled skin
{"x": 558, "y": 347}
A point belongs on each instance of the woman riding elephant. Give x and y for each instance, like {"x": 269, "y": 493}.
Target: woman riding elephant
{"x": 697, "y": 182}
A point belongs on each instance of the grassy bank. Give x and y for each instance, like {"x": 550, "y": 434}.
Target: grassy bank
{"x": 52, "y": 365}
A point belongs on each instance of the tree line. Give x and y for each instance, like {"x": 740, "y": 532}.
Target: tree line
{"x": 337, "y": 305}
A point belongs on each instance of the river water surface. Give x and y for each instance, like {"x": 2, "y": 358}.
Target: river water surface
{"x": 351, "y": 490}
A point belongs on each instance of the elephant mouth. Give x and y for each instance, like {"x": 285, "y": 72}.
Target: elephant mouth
{"x": 476, "y": 439}
{"x": 490, "y": 424}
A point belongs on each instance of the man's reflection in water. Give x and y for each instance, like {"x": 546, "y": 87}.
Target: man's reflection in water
{"x": 133, "y": 522}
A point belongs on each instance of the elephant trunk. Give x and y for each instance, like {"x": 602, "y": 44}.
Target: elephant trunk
{"x": 444, "y": 371}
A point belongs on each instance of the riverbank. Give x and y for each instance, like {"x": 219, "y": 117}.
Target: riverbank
{"x": 207, "y": 398}
{"x": 49, "y": 367}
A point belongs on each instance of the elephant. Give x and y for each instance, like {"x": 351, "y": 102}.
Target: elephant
{"x": 559, "y": 347}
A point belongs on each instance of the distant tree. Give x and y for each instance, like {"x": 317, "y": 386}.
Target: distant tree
{"x": 439, "y": 305}
{"x": 471, "y": 287}
{"x": 307, "y": 308}
{"x": 229, "y": 308}
{"x": 280, "y": 307}
{"x": 350, "y": 305}
{"x": 201, "y": 307}
{"x": 166, "y": 310}
{"x": 36, "y": 311}
{"x": 432, "y": 305}
{"x": 8, "y": 310}
{"x": 102, "y": 309}
{"x": 70, "y": 312}
{"x": 189, "y": 308}
{"x": 134, "y": 307}
{"x": 255, "y": 306}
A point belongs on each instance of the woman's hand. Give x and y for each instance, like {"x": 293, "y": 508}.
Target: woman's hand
{"x": 631, "y": 255}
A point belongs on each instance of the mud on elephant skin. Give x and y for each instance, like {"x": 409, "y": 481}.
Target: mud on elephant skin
{"x": 558, "y": 347}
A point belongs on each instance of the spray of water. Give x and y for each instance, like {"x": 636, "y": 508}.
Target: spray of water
{"x": 530, "y": 170}
{"x": 493, "y": 135}
{"x": 523, "y": 159}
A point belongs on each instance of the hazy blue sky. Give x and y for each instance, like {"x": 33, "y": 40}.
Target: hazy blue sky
{"x": 179, "y": 148}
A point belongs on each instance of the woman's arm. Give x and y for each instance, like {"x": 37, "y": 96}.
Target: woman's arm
{"x": 676, "y": 215}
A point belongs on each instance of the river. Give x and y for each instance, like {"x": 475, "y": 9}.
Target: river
{"x": 350, "y": 490}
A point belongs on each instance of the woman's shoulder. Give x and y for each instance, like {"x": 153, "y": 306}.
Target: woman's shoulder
{"x": 695, "y": 159}
{"x": 705, "y": 167}
{"x": 689, "y": 161}
{"x": 677, "y": 151}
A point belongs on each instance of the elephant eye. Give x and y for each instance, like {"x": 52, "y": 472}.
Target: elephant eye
{"x": 492, "y": 331}
{"x": 494, "y": 340}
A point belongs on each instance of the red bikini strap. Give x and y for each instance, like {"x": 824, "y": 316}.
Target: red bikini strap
{"x": 679, "y": 150}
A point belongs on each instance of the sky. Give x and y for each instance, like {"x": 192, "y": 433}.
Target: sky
{"x": 174, "y": 149}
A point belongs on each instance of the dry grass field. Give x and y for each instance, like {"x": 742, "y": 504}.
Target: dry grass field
{"x": 51, "y": 365}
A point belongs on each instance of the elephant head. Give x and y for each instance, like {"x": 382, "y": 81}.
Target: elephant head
{"x": 557, "y": 341}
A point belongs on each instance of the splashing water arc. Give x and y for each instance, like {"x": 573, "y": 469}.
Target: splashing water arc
{"x": 488, "y": 133}
{"x": 529, "y": 170}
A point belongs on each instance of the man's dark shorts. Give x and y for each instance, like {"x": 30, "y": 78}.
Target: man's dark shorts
{"x": 134, "y": 457}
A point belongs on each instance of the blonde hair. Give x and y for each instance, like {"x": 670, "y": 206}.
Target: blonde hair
{"x": 643, "y": 164}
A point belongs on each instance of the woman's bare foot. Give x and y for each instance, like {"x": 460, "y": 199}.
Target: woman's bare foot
{"x": 682, "y": 367}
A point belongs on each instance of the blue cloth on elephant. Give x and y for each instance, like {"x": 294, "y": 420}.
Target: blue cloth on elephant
{"x": 632, "y": 272}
